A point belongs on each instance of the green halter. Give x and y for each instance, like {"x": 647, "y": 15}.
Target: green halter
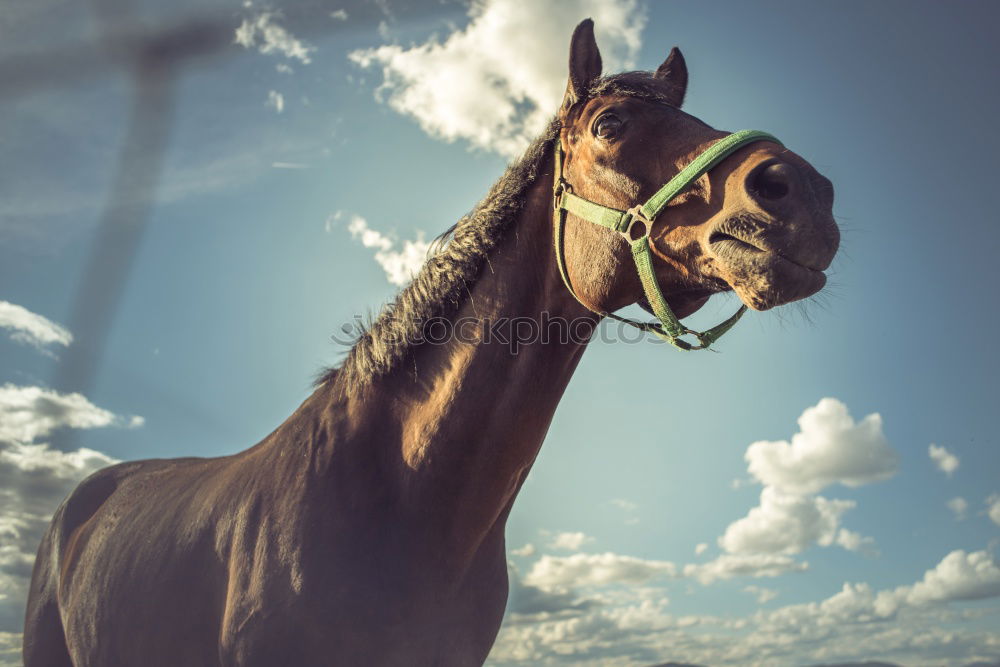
{"x": 626, "y": 223}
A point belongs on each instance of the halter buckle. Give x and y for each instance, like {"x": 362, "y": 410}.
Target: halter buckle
{"x": 557, "y": 193}
{"x": 636, "y": 217}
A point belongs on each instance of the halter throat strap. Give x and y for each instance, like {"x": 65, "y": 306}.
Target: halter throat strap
{"x": 635, "y": 226}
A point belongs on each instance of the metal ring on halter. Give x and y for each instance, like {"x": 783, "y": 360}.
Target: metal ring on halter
{"x": 636, "y": 216}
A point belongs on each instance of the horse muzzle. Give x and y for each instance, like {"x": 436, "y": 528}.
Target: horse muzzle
{"x": 775, "y": 248}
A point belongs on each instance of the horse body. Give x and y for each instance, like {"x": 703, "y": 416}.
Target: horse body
{"x": 320, "y": 545}
{"x": 369, "y": 527}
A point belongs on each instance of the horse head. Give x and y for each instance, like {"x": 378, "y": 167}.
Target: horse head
{"x": 758, "y": 222}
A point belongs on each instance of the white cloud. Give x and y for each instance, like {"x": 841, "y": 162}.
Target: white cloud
{"x": 10, "y": 649}
{"x": 700, "y": 548}
{"x": 959, "y": 576}
{"x": 525, "y": 551}
{"x": 31, "y": 328}
{"x": 275, "y": 100}
{"x": 762, "y": 594}
{"x": 527, "y": 599}
{"x": 34, "y": 478}
{"x": 959, "y": 506}
{"x": 569, "y": 541}
{"x": 632, "y": 625}
{"x": 399, "y": 265}
{"x": 261, "y": 32}
{"x": 728, "y": 566}
{"x": 339, "y": 15}
{"x": 27, "y": 413}
{"x": 829, "y": 448}
{"x": 852, "y": 541}
{"x": 625, "y": 505}
{"x": 945, "y": 461}
{"x": 595, "y": 635}
{"x": 497, "y": 81}
{"x": 993, "y": 508}
{"x": 785, "y": 523}
{"x": 559, "y": 572}
{"x": 790, "y": 517}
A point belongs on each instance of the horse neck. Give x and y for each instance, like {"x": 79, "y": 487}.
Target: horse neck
{"x": 456, "y": 428}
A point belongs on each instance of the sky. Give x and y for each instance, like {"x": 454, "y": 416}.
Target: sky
{"x": 825, "y": 488}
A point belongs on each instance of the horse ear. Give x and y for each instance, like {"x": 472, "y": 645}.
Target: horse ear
{"x": 584, "y": 64}
{"x": 675, "y": 72}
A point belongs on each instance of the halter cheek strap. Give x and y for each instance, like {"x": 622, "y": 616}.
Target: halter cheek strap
{"x": 635, "y": 226}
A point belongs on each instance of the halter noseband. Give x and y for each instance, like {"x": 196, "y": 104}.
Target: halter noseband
{"x": 627, "y": 224}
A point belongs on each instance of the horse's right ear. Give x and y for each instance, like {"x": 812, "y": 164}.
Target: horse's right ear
{"x": 584, "y": 64}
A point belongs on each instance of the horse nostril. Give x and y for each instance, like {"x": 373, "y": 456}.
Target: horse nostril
{"x": 773, "y": 181}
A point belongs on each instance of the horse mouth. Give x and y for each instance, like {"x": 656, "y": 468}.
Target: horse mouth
{"x": 736, "y": 244}
{"x": 762, "y": 276}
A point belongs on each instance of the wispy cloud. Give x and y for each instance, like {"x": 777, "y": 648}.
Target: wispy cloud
{"x": 497, "y": 81}
{"x": 525, "y": 551}
{"x": 993, "y": 508}
{"x": 756, "y": 565}
{"x": 762, "y": 594}
{"x": 399, "y": 265}
{"x": 275, "y": 100}
{"x": 262, "y": 32}
{"x": 555, "y": 572}
{"x": 25, "y": 326}
{"x": 625, "y": 505}
{"x": 945, "y": 461}
{"x": 28, "y": 413}
{"x": 959, "y": 506}
{"x": 569, "y": 541}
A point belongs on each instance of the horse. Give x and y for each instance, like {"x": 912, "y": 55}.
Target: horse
{"x": 368, "y": 528}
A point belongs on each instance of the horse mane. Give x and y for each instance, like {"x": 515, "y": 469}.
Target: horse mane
{"x": 446, "y": 277}
{"x": 459, "y": 255}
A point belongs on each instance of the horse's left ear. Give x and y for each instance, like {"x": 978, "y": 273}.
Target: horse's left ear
{"x": 675, "y": 72}
{"x": 584, "y": 64}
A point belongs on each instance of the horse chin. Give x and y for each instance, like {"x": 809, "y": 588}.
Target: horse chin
{"x": 764, "y": 279}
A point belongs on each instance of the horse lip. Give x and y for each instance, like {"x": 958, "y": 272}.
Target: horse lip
{"x": 725, "y": 237}
{"x": 745, "y": 245}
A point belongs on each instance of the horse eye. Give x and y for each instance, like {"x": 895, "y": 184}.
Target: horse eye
{"x": 607, "y": 126}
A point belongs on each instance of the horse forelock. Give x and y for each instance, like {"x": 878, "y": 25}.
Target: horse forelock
{"x": 640, "y": 85}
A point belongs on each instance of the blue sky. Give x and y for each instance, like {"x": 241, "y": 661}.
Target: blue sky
{"x": 280, "y": 145}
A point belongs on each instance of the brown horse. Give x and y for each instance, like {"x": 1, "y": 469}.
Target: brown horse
{"x": 368, "y": 529}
